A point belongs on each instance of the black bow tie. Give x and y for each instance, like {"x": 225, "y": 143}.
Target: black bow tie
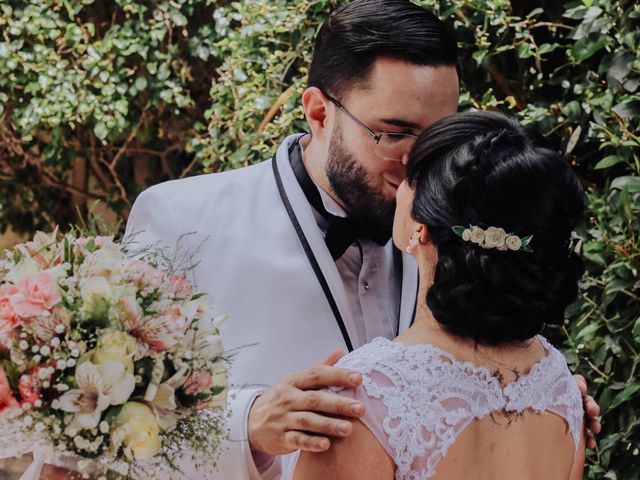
{"x": 342, "y": 231}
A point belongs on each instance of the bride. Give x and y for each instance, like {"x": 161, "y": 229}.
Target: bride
{"x": 472, "y": 390}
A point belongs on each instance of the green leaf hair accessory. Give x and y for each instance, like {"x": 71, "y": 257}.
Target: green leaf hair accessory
{"x": 493, "y": 238}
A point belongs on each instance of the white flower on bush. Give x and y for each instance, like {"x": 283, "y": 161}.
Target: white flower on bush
{"x": 99, "y": 387}
{"x": 494, "y": 238}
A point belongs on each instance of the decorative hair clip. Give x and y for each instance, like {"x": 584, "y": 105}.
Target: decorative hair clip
{"x": 494, "y": 237}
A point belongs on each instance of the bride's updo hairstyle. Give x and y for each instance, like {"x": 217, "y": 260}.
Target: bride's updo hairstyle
{"x": 487, "y": 170}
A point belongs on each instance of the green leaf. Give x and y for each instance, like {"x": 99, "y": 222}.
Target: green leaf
{"x": 140, "y": 83}
{"x": 585, "y": 48}
{"x": 628, "y": 109}
{"x": 632, "y": 184}
{"x": 608, "y": 161}
{"x": 636, "y": 331}
{"x": 479, "y": 56}
{"x": 458, "y": 230}
{"x": 101, "y": 130}
{"x": 624, "y": 395}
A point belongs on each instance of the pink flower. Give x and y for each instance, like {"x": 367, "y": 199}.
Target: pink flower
{"x": 36, "y": 294}
{"x": 159, "y": 332}
{"x": 198, "y": 382}
{"x": 145, "y": 275}
{"x": 7, "y": 400}
{"x": 29, "y": 386}
{"x": 8, "y": 316}
{"x": 180, "y": 287}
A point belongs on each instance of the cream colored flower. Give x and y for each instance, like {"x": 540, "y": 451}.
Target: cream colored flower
{"x": 477, "y": 235}
{"x": 162, "y": 400}
{"x": 466, "y": 235}
{"x": 513, "y": 242}
{"x": 118, "y": 346}
{"x": 495, "y": 238}
{"x": 96, "y": 294}
{"x": 136, "y": 428}
{"x": 204, "y": 336}
{"x": 99, "y": 386}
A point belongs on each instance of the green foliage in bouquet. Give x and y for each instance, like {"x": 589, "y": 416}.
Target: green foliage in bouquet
{"x": 101, "y": 99}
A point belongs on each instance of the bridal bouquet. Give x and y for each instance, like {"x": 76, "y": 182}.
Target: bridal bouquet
{"x": 112, "y": 362}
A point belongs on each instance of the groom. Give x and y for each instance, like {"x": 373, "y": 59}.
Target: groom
{"x": 298, "y": 251}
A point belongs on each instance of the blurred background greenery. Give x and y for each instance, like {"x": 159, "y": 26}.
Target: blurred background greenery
{"x": 101, "y": 99}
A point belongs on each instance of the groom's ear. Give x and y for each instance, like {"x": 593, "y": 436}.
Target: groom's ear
{"x": 317, "y": 112}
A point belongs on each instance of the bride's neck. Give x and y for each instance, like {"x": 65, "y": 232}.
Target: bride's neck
{"x": 427, "y": 329}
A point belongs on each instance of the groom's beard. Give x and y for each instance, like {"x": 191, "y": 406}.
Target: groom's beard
{"x": 364, "y": 204}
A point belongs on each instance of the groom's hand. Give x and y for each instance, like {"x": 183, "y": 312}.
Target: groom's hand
{"x": 591, "y": 410}
{"x": 295, "y": 415}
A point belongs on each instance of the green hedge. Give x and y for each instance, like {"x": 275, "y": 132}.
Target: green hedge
{"x": 99, "y": 99}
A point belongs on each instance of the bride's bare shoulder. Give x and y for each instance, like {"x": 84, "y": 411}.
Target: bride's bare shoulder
{"x": 357, "y": 457}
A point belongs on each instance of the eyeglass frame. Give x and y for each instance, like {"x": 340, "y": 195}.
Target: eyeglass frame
{"x": 372, "y": 133}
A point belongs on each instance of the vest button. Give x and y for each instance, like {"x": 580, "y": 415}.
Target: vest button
{"x": 366, "y": 285}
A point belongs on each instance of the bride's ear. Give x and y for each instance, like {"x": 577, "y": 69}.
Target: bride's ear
{"x": 420, "y": 236}
{"x": 422, "y": 231}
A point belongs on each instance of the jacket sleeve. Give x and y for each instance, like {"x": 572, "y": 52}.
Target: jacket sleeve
{"x": 152, "y": 220}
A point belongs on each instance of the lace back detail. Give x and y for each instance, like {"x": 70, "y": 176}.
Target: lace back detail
{"x": 420, "y": 398}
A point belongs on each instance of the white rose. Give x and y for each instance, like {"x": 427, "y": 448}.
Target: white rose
{"x": 513, "y": 242}
{"x": 477, "y": 235}
{"x": 466, "y": 235}
{"x": 495, "y": 238}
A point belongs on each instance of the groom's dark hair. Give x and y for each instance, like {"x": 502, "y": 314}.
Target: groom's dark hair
{"x": 487, "y": 170}
{"x": 355, "y": 35}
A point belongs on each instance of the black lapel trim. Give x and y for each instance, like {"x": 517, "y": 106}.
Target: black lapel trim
{"x": 310, "y": 256}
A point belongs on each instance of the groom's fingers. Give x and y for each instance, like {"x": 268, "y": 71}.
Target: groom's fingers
{"x": 333, "y": 357}
{"x": 309, "y": 443}
{"x": 322, "y": 376}
{"x": 319, "y": 424}
{"x": 327, "y": 403}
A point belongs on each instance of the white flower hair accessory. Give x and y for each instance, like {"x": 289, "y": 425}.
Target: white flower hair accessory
{"x": 493, "y": 238}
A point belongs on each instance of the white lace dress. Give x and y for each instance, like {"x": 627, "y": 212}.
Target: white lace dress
{"x": 420, "y": 398}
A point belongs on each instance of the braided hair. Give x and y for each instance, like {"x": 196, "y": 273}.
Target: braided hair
{"x": 485, "y": 169}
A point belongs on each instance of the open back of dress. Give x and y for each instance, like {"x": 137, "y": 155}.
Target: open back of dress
{"x": 421, "y": 402}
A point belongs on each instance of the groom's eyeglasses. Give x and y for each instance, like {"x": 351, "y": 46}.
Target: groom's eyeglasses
{"x": 389, "y": 145}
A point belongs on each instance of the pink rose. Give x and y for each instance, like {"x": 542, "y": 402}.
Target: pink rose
{"x": 29, "y": 386}
{"x": 7, "y": 400}
{"x": 198, "y": 382}
{"x": 8, "y": 316}
{"x": 36, "y": 294}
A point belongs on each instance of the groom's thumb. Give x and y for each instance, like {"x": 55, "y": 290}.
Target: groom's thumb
{"x": 333, "y": 357}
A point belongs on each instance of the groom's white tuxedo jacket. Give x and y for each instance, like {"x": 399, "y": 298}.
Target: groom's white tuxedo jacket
{"x": 255, "y": 270}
